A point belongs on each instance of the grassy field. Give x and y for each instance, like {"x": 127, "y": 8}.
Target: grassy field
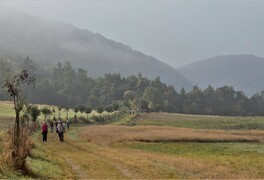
{"x": 108, "y": 134}
{"x": 184, "y": 153}
{"x": 78, "y": 159}
{"x": 6, "y": 109}
{"x": 153, "y": 146}
{"x": 197, "y": 121}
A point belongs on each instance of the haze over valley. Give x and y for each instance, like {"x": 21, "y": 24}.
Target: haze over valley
{"x": 47, "y": 42}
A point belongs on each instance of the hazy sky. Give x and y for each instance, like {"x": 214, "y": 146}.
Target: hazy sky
{"x": 177, "y": 32}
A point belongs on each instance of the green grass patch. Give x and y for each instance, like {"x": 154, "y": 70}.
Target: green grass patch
{"x": 6, "y": 110}
{"x": 123, "y": 120}
{"x": 13, "y": 175}
{"x": 45, "y": 164}
{"x": 240, "y": 159}
{"x": 198, "y": 149}
{"x": 199, "y": 122}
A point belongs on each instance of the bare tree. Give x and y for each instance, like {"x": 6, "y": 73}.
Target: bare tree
{"x": 14, "y": 88}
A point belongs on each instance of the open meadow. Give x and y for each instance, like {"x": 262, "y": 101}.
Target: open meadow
{"x": 167, "y": 151}
{"x": 197, "y": 121}
{"x": 155, "y": 145}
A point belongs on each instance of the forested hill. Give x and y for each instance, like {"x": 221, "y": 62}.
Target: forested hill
{"x": 243, "y": 72}
{"x": 68, "y": 87}
{"x": 48, "y": 41}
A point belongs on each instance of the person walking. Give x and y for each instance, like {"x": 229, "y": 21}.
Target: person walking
{"x": 68, "y": 124}
{"x": 61, "y": 130}
{"x": 51, "y": 126}
{"x": 44, "y": 131}
{"x": 56, "y": 125}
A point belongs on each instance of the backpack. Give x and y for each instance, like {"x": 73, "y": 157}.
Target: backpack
{"x": 44, "y": 128}
{"x": 60, "y": 128}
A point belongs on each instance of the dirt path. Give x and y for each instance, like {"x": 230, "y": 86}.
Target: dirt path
{"x": 79, "y": 174}
{"x": 64, "y": 150}
{"x": 85, "y": 160}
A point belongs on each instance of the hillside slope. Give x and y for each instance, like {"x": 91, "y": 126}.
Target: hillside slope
{"x": 243, "y": 72}
{"x": 49, "y": 41}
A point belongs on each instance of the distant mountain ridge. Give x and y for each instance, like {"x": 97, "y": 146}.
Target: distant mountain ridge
{"x": 243, "y": 72}
{"x": 49, "y": 41}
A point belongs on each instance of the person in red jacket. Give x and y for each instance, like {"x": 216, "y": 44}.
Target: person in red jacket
{"x": 44, "y": 130}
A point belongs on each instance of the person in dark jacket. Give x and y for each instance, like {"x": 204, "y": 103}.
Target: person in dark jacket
{"x": 44, "y": 131}
{"x": 56, "y": 125}
{"x": 51, "y": 126}
{"x": 61, "y": 130}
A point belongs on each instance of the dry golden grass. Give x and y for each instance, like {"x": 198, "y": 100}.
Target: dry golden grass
{"x": 186, "y": 167}
{"x": 105, "y": 135}
{"x": 81, "y": 160}
{"x": 13, "y": 158}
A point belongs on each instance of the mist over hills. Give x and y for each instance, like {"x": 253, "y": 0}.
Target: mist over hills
{"x": 49, "y": 42}
{"x": 243, "y": 72}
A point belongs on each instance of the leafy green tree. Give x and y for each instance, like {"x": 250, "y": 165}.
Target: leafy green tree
{"x": 34, "y": 112}
{"x": 195, "y": 102}
{"x": 115, "y": 106}
{"x": 225, "y": 98}
{"x": 76, "y": 110}
{"x": 241, "y": 103}
{"x": 155, "y": 98}
{"x": 256, "y": 104}
{"x": 210, "y": 103}
{"x": 46, "y": 112}
{"x": 81, "y": 109}
{"x": 170, "y": 100}
{"x": 29, "y": 65}
{"x": 144, "y": 105}
{"x": 100, "y": 109}
{"x": 109, "y": 108}
{"x": 88, "y": 110}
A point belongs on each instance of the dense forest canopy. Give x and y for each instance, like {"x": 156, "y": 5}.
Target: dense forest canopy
{"x": 68, "y": 87}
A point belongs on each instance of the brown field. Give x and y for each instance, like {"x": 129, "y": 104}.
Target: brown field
{"x": 108, "y": 134}
{"x": 121, "y": 161}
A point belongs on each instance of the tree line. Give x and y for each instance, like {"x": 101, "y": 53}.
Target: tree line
{"x": 69, "y": 87}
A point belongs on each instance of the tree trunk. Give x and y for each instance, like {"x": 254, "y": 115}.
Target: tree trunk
{"x": 17, "y": 130}
{"x": 16, "y": 142}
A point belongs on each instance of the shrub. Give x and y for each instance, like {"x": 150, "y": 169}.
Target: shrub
{"x": 100, "y": 109}
{"x": 98, "y": 119}
{"x": 85, "y": 120}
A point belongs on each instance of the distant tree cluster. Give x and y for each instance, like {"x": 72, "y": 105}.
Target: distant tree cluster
{"x": 68, "y": 87}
